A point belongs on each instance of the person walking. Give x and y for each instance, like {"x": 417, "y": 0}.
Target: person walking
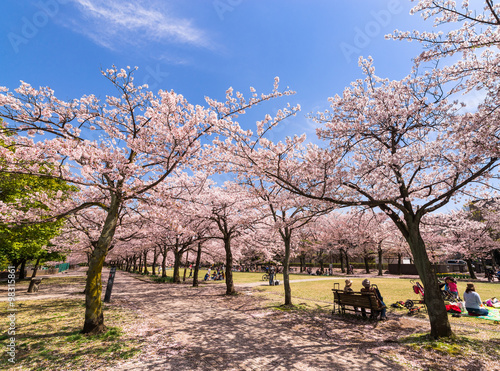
{"x": 271, "y": 276}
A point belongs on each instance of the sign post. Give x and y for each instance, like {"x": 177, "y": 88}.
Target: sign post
{"x": 109, "y": 287}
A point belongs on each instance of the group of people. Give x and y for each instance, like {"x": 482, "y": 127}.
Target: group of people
{"x": 368, "y": 287}
{"x": 450, "y": 286}
{"x": 473, "y": 303}
{"x": 216, "y": 275}
{"x": 491, "y": 275}
{"x": 320, "y": 271}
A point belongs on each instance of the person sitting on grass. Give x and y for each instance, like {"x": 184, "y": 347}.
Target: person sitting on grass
{"x": 473, "y": 302}
{"x": 367, "y": 287}
{"x": 451, "y": 286}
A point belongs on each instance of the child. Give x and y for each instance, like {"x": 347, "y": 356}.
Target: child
{"x": 452, "y": 286}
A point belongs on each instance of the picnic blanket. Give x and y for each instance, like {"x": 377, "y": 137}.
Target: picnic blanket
{"x": 493, "y": 315}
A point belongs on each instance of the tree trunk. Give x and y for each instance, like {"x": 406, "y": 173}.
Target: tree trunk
{"x": 367, "y": 266}
{"x": 229, "y": 266}
{"x": 197, "y": 265}
{"x": 438, "y": 317}
{"x": 380, "y": 267}
{"x": 35, "y": 269}
{"x": 286, "y": 274}
{"x": 164, "y": 262}
{"x": 177, "y": 265}
{"x": 347, "y": 262}
{"x": 302, "y": 263}
{"x": 471, "y": 270}
{"x": 128, "y": 262}
{"x": 341, "y": 256}
{"x": 22, "y": 269}
{"x": 135, "y": 263}
{"x": 155, "y": 258}
{"x": 400, "y": 261}
{"x": 146, "y": 262}
{"x": 33, "y": 275}
{"x": 140, "y": 262}
{"x": 185, "y": 267}
{"x": 94, "y": 318}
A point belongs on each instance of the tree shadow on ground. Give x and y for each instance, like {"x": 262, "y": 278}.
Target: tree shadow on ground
{"x": 235, "y": 332}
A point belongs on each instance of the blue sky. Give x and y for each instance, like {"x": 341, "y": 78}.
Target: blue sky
{"x": 201, "y": 47}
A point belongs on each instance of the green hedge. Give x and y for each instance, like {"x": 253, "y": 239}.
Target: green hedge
{"x": 454, "y": 275}
{"x": 337, "y": 265}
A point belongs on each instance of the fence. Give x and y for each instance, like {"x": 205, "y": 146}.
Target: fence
{"x": 62, "y": 267}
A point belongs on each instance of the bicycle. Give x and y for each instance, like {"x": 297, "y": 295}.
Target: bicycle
{"x": 265, "y": 277}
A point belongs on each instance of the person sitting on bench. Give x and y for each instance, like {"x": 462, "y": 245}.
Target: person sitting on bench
{"x": 367, "y": 287}
{"x": 348, "y": 288}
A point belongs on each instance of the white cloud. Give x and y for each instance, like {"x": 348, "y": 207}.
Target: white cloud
{"x": 114, "y": 23}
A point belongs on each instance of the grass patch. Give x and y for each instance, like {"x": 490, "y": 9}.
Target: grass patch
{"x": 48, "y": 336}
{"x": 52, "y": 281}
{"x": 162, "y": 279}
{"x": 458, "y": 345}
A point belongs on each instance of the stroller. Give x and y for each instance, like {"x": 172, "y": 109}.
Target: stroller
{"x": 419, "y": 290}
{"x": 410, "y": 304}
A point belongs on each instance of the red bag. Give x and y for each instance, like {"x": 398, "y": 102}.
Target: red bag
{"x": 452, "y": 308}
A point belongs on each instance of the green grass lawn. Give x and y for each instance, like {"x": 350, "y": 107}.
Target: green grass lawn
{"x": 48, "y": 336}
{"x": 392, "y": 289}
{"x": 318, "y": 294}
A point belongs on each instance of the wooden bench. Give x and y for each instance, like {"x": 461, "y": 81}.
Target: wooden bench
{"x": 364, "y": 300}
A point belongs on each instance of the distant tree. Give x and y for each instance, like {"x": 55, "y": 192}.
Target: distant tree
{"x": 20, "y": 243}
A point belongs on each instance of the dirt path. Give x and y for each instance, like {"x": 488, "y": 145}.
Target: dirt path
{"x": 186, "y": 328}
{"x": 201, "y": 329}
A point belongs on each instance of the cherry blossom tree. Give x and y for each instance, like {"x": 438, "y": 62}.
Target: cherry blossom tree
{"x": 471, "y": 33}
{"x": 231, "y": 209}
{"x": 368, "y": 234}
{"x": 115, "y": 151}
{"x": 400, "y": 146}
{"x": 287, "y": 213}
{"x": 306, "y": 241}
{"x": 459, "y": 234}
{"x": 336, "y": 230}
